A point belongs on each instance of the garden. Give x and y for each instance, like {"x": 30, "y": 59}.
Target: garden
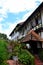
{"x": 11, "y": 49}
{"x": 18, "y": 49}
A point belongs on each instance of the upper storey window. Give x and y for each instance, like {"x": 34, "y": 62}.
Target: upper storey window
{"x": 33, "y": 23}
{"x": 28, "y": 26}
{"x": 38, "y": 19}
{"x": 23, "y": 31}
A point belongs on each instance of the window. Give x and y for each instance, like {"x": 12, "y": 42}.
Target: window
{"x": 38, "y": 45}
{"x": 36, "y": 21}
{"x": 39, "y": 20}
{"x": 28, "y": 27}
{"x": 22, "y": 31}
{"x": 33, "y": 23}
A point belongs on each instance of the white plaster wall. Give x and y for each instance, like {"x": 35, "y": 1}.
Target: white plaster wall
{"x": 25, "y": 32}
{"x": 28, "y": 45}
{"x": 28, "y": 28}
{"x": 42, "y": 45}
{"x": 33, "y": 22}
{"x": 38, "y": 45}
{"x": 42, "y": 16}
{"x": 42, "y": 22}
{"x": 20, "y": 36}
{"x": 41, "y": 34}
{"x": 14, "y": 36}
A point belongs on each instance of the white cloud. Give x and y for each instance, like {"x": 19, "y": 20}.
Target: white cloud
{"x": 1, "y": 19}
{"x": 8, "y": 30}
{"x": 0, "y": 27}
{"x": 16, "y": 6}
{"x": 41, "y": 0}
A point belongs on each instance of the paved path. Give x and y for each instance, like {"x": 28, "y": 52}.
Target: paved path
{"x": 38, "y": 61}
{"x": 12, "y": 62}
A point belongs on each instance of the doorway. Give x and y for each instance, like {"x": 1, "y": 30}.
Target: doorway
{"x": 34, "y": 48}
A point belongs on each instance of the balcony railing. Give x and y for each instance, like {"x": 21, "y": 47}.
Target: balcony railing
{"x": 37, "y": 27}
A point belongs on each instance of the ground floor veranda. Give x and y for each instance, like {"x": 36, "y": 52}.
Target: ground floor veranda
{"x": 34, "y": 41}
{"x": 34, "y": 46}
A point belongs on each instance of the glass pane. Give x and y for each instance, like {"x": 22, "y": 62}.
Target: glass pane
{"x": 33, "y": 23}
{"x": 39, "y": 20}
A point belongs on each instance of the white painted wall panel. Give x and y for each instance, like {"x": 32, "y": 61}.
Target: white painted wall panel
{"x": 14, "y": 36}
{"x": 42, "y": 16}
{"x": 28, "y": 45}
{"x": 38, "y": 45}
{"x": 42, "y": 45}
{"x": 41, "y": 34}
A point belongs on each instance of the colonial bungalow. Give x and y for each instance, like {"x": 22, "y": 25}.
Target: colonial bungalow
{"x": 31, "y": 30}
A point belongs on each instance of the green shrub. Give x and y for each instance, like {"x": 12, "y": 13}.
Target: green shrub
{"x": 24, "y": 56}
{"x": 3, "y": 63}
{"x": 3, "y": 51}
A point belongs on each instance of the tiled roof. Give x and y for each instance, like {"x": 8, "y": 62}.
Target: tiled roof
{"x": 19, "y": 24}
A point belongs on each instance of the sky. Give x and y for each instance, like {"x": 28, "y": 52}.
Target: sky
{"x": 13, "y": 12}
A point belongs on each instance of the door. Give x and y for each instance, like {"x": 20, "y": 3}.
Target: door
{"x": 34, "y": 47}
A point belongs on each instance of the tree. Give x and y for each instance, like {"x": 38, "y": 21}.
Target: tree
{"x": 3, "y": 36}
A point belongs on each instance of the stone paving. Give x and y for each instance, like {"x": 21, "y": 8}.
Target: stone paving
{"x": 38, "y": 61}
{"x": 13, "y": 62}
